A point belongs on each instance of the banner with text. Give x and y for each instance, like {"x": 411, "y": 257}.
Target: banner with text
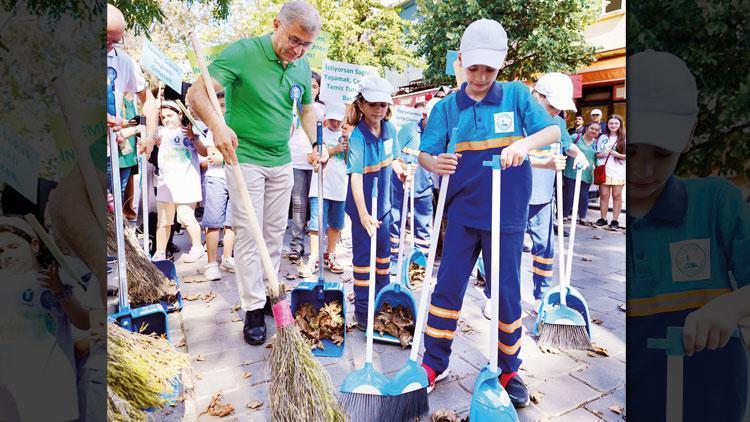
{"x": 319, "y": 51}
{"x": 19, "y": 163}
{"x": 403, "y": 115}
{"x": 209, "y": 54}
{"x": 161, "y": 66}
{"x": 339, "y": 80}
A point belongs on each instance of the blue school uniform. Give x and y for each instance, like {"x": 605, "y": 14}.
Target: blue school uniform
{"x": 483, "y": 129}
{"x": 371, "y": 157}
{"x": 408, "y": 138}
{"x": 679, "y": 258}
{"x": 541, "y": 221}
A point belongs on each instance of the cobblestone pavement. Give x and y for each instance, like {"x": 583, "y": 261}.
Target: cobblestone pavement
{"x": 574, "y": 385}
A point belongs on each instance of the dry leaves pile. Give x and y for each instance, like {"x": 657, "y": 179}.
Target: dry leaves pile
{"x": 598, "y": 350}
{"x": 398, "y": 322}
{"x": 416, "y": 275}
{"x": 217, "y": 408}
{"x": 326, "y": 324}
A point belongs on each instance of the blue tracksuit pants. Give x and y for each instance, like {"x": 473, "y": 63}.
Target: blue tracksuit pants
{"x": 542, "y": 251}
{"x": 422, "y": 223}
{"x": 460, "y": 251}
{"x": 361, "y": 263}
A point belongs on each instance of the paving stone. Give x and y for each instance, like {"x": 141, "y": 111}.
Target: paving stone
{"x": 530, "y": 413}
{"x": 449, "y": 395}
{"x": 239, "y": 398}
{"x": 563, "y": 394}
{"x": 259, "y": 370}
{"x": 603, "y": 304}
{"x": 578, "y": 415}
{"x": 601, "y": 406}
{"x": 605, "y": 375}
{"x": 223, "y": 380}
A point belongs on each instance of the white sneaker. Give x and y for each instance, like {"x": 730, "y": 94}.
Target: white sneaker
{"x": 196, "y": 253}
{"x": 487, "y": 310}
{"x": 227, "y": 264}
{"x": 212, "y": 272}
{"x": 159, "y": 256}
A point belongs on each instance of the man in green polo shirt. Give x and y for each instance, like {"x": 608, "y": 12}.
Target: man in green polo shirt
{"x": 268, "y": 81}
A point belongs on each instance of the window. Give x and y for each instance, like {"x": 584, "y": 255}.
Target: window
{"x": 613, "y": 6}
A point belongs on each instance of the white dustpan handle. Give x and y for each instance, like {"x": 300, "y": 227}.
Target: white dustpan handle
{"x": 674, "y": 388}
{"x": 401, "y": 235}
{"x": 412, "y": 191}
{"x": 319, "y": 141}
{"x": 265, "y": 257}
{"x": 571, "y": 242}
{"x": 144, "y": 195}
{"x": 560, "y": 229}
{"x": 122, "y": 272}
{"x": 371, "y": 284}
{"x": 495, "y": 267}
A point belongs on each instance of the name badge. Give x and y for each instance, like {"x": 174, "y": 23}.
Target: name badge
{"x": 691, "y": 260}
{"x": 504, "y": 122}
{"x": 388, "y": 146}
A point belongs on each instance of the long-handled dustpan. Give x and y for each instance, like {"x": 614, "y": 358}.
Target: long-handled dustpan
{"x": 411, "y": 382}
{"x": 416, "y": 256}
{"x": 563, "y": 307}
{"x": 146, "y": 319}
{"x": 490, "y": 401}
{"x": 673, "y": 347}
{"x": 396, "y": 294}
{"x": 322, "y": 292}
{"x": 363, "y": 391}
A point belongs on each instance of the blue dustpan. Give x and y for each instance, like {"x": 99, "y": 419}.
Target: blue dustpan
{"x": 551, "y": 311}
{"x": 490, "y": 402}
{"x": 168, "y": 269}
{"x": 395, "y": 295}
{"x": 321, "y": 292}
{"x": 417, "y": 257}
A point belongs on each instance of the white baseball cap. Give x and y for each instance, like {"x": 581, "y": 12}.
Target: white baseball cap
{"x": 484, "y": 42}
{"x": 376, "y": 89}
{"x": 662, "y": 100}
{"x": 596, "y": 112}
{"x": 19, "y": 224}
{"x": 335, "y": 111}
{"x": 558, "y": 88}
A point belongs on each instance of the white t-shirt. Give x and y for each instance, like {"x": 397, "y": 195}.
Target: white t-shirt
{"x": 335, "y": 182}
{"x": 299, "y": 143}
{"x": 213, "y": 170}
{"x": 127, "y": 76}
{"x": 179, "y": 169}
{"x": 615, "y": 167}
{"x": 36, "y": 360}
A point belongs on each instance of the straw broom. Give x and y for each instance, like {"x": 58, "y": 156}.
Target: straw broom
{"x": 301, "y": 389}
{"x": 146, "y": 284}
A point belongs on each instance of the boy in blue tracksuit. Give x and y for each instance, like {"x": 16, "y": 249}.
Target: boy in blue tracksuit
{"x": 408, "y": 138}
{"x": 687, "y": 245}
{"x": 489, "y": 118}
{"x": 373, "y": 153}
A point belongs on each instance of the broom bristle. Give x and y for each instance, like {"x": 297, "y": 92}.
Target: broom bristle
{"x": 301, "y": 388}
{"x": 364, "y": 407}
{"x": 563, "y": 336}
{"x": 407, "y": 406}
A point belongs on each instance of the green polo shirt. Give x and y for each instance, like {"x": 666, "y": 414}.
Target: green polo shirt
{"x": 260, "y": 106}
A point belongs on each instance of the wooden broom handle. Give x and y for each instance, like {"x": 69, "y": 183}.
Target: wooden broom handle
{"x": 265, "y": 257}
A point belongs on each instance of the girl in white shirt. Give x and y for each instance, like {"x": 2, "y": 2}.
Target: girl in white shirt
{"x": 178, "y": 188}
{"x": 611, "y": 153}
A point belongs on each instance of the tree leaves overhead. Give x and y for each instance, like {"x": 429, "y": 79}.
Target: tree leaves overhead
{"x": 140, "y": 14}
{"x": 712, "y": 39}
{"x": 544, "y": 35}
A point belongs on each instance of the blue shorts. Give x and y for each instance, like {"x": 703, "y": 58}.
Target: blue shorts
{"x": 333, "y": 214}
{"x": 216, "y": 213}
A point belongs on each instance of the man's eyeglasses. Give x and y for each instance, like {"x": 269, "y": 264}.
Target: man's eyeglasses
{"x": 296, "y": 42}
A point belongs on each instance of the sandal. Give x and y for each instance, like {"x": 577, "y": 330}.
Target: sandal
{"x": 294, "y": 256}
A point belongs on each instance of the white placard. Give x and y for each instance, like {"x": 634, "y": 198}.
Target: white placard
{"x": 403, "y": 115}
{"x": 160, "y": 66}
{"x": 340, "y": 80}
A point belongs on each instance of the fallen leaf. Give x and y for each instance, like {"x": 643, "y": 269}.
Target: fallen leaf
{"x": 595, "y": 237}
{"x": 592, "y": 354}
{"x": 444, "y": 415}
{"x": 245, "y": 363}
{"x": 236, "y": 307}
{"x": 350, "y": 297}
{"x": 617, "y": 409}
{"x": 465, "y": 327}
{"x": 622, "y": 307}
{"x": 269, "y": 346}
{"x": 586, "y": 259}
{"x": 217, "y": 408}
{"x": 597, "y": 321}
{"x": 345, "y": 279}
{"x": 191, "y": 297}
{"x": 181, "y": 343}
{"x": 350, "y": 326}
{"x": 536, "y": 397}
{"x": 255, "y": 404}
{"x": 200, "y": 358}
{"x": 290, "y": 276}
{"x": 198, "y": 376}
{"x": 550, "y": 350}
{"x": 236, "y": 319}
{"x": 209, "y": 297}
{"x": 247, "y": 375}
{"x": 600, "y": 350}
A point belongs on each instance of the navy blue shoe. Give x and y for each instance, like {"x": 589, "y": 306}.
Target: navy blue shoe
{"x": 514, "y": 385}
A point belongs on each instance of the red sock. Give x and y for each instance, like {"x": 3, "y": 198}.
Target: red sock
{"x": 505, "y": 377}
{"x": 431, "y": 375}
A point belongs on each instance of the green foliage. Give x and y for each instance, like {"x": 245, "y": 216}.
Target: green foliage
{"x": 140, "y": 14}
{"x": 544, "y": 35}
{"x": 365, "y": 32}
{"x": 709, "y": 37}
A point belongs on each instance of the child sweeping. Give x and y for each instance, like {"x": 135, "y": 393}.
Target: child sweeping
{"x": 373, "y": 153}
{"x": 688, "y": 242}
{"x": 334, "y": 193}
{"x": 179, "y": 185}
{"x": 488, "y": 118}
